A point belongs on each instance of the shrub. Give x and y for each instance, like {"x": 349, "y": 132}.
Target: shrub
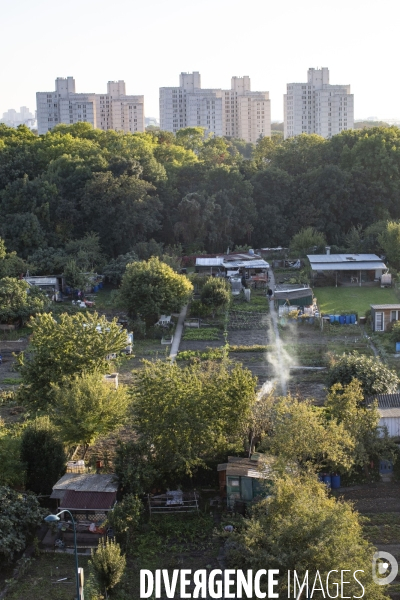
{"x": 108, "y": 564}
{"x": 374, "y": 376}
{"x": 215, "y": 294}
{"x": 198, "y": 309}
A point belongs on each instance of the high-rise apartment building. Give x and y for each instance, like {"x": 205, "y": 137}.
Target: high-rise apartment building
{"x": 12, "y": 118}
{"x": 237, "y": 112}
{"x": 113, "y": 110}
{"x": 317, "y": 107}
{"x": 247, "y": 114}
{"x": 190, "y": 106}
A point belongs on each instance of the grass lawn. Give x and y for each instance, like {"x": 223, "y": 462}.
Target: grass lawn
{"x": 39, "y": 580}
{"x": 343, "y": 300}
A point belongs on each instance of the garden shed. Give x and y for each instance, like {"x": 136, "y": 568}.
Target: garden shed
{"x": 297, "y": 294}
{"x": 89, "y": 496}
{"x": 348, "y": 269}
{"x": 389, "y": 411}
{"x": 383, "y": 314}
{"x": 251, "y": 263}
{"x": 242, "y": 479}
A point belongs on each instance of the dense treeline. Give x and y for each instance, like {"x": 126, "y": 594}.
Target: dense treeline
{"x": 128, "y": 189}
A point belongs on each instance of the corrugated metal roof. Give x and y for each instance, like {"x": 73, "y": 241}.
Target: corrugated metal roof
{"x": 343, "y": 258}
{"x": 351, "y": 266}
{"x": 57, "y": 494}
{"x": 291, "y": 291}
{"x": 243, "y": 467}
{"x": 292, "y": 294}
{"x": 247, "y": 264}
{"x": 209, "y": 262}
{"x": 385, "y": 306}
{"x": 345, "y": 262}
{"x": 88, "y": 500}
{"x": 87, "y": 482}
{"x": 389, "y": 412}
{"x": 385, "y": 400}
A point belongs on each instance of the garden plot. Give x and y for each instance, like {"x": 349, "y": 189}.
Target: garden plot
{"x": 380, "y": 504}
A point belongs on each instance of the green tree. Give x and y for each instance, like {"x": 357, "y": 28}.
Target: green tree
{"x": 187, "y": 415}
{"x": 108, "y": 564}
{"x": 135, "y": 467}
{"x": 125, "y": 519}
{"x": 116, "y": 268}
{"x": 74, "y": 276}
{"x": 12, "y": 470}
{"x": 87, "y": 407}
{"x": 374, "y": 377}
{"x": 43, "y": 455}
{"x": 86, "y": 252}
{"x": 299, "y": 527}
{"x": 11, "y": 265}
{"x": 389, "y": 240}
{"x": 302, "y": 437}
{"x": 47, "y": 260}
{"x": 63, "y": 349}
{"x": 18, "y": 301}
{"x": 306, "y": 240}
{"x": 215, "y": 294}
{"x": 20, "y": 515}
{"x": 150, "y": 288}
{"x": 345, "y": 405}
{"x": 191, "y": 138}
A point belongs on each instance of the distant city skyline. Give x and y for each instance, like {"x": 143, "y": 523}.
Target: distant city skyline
{"x": 148, "y": 44}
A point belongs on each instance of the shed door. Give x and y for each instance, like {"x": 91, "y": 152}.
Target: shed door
{"x": 379, "y": 321}
{"x": 246, "y": 489}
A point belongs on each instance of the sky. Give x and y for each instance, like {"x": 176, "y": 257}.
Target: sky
{"x": 148, "y": 43}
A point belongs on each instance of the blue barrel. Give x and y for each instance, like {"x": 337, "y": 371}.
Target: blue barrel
{"x": 348, "y": 319}
{"x": 327, "y": 480}
{"x": 353, "y": 319}
{"x": 95, "y": 288}
{"x": 337, "y": 318}
{"x": 100, "y": 285}
{"x": 335, "y": 482}
{"x": 342, "y": 319}
{"x": 397, "y": 346}
{"x": 332, "y": 318}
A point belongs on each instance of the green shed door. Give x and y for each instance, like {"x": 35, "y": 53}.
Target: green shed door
{"x": 246, "y": 489}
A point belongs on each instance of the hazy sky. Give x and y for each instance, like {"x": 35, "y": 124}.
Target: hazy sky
{"x": 148, "y": 43}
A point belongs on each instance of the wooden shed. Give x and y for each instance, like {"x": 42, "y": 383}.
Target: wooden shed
{"x": 383, "y": 314}
{"x": 88, "y": 496}
{"x": 242, "y": 479}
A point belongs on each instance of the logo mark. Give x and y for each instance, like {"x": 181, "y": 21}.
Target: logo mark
{"x": 380, "y": 568}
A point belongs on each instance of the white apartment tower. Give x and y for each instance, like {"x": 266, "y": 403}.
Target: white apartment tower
{"x": 237, "y": 112}
{"x": 247, "y": 114}
{"x": 317, "y": 107}
{"x": 190, "y": 106}
{"x": 113, "y": 110}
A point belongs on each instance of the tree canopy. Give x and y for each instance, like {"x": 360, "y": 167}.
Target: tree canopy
{"x": 18, "y": 301}
{"x": 151, "y": 288}
{"x": 374, "y": 377}
{"x": 43, "y": 455}
{"x": 86, "y": 407}
{"x": 130, "y": 188}
{"x": 20, "y": 515}
{"x": 62, "y": 349}
{"x": 187, "y": 415}
{"x": 299, "y": 527}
